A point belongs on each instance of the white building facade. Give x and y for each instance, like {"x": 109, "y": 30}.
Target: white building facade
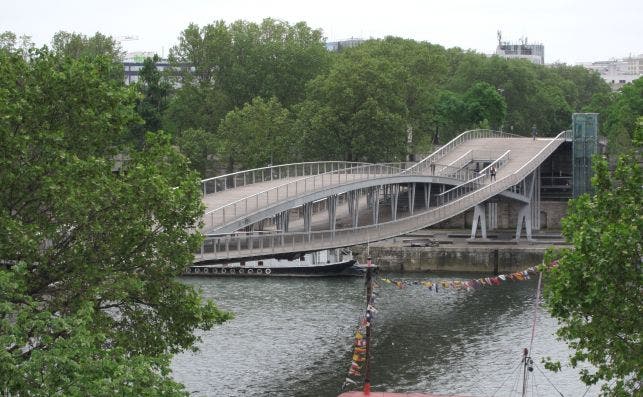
{"x": 618, "y": 72}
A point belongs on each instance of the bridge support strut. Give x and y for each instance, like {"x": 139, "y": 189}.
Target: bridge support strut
{"x": 524, "y": 215}
{"x": 353, "y": 207}
{"x": 395, "y": 195}
{"x": 479, "y": 216}
{"x": 332, "y": 212}
{"x": 411, "y": 193}
{"x": 374, "y": 200}
{"x": 427, "y": 195}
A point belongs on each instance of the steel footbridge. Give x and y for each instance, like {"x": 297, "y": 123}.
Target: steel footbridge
{"x": 303, "y": 207}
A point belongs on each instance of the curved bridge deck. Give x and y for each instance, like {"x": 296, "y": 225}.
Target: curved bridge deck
{"x": 242, "y": 200}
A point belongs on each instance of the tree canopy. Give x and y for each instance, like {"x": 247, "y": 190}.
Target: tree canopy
{"x": 355, "y": 112}
{"x": 620, "y": 117}
{"x": 595, "y": 290}
{"x": 259, "y": 134}
{"x": 93, "y": 236}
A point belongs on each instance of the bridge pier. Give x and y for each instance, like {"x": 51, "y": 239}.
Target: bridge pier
{"x": 395, "y": 195}
{"x": 331, "y": 204}
{"x": 411, "y": 194}
{"x": 282, "y": 221}
{"x": 308, "y": 214}
{"x": 353, "y": 207}
{"x": 524, "y": 216}
{"x": 526, "y": 213}
{"x": 492, "y": 212}
{"x": 479, "y": 217}
{"x": 374, "y": 202}
{"x": 427, "y": 195}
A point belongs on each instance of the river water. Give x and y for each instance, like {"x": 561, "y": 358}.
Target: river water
{"x": 293, "y": 337}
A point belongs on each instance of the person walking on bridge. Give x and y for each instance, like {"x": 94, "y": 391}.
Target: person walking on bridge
{"x": 533, "y": 132}
{"x": 492, "y": 173}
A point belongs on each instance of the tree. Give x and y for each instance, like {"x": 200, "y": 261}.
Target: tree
{"x": 425, "y": 70}
{"x": 199, "y": 146}
{"x": 90, "y": 249}
{"x": 595, "y": 291}
{"x": 10, "y": 42}
{"x": 257, "y": 135}
{"x": 244, "y": 59}
{"x": 355, "y": 112}
{"x": 152, "y": 103}
{"x": 484, "y": 102}
{"x": 76, "y": 45}
{"x": 620, "y": 120}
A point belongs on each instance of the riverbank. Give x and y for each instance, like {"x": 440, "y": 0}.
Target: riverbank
{"x": 454, "y": 251}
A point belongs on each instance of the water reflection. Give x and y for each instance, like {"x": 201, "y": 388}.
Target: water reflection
{"x": 293, "y": 337}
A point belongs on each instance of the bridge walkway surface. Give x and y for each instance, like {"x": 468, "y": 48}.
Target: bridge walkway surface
{"x": 239, "y": 201}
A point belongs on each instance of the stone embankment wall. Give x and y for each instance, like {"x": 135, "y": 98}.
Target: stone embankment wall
{"x": 469, "y": 259}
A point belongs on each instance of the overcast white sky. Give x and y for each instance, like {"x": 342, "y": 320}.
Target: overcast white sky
{"x": 571, "y": 30}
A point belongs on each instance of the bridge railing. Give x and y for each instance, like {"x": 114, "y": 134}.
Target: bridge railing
{"x": 256, "y": 175}
{"x": 474, "y": 184}
{"x": 424, "y": 165}
{"x": 235, "y": 245}
{"x": 244, "y": 206}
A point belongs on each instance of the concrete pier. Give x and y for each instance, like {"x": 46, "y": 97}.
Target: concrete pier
{"x": 455, "y": 252}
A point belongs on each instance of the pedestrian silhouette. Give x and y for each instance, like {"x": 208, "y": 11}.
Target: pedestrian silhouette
{"x": 533, "y": 132}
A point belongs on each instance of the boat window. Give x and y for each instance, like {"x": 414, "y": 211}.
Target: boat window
{"x": 243, "y": 263}
{"x": 301, "y": 258}
{"x": 260, "y": 263}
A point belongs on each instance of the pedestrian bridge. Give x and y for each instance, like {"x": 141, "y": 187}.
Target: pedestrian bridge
{"x": 305, "y": 207}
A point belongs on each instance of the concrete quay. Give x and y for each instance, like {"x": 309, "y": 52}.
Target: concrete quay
{"x": 439, "y": 250}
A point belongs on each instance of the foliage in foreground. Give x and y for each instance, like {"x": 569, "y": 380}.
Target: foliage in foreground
{"x": 595, "y": 291}
{"x": 89, "y": 300}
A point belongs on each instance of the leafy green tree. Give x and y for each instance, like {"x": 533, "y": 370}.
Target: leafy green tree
{"x": 355, "y": 112}
{"x": 90, "y": 248}
{"x": 425, "y": 70}
{"x": 200, "y": 147}
{"x": 195, "y": 106}
{"x": 595, "y": 291}
{"x": 534, "y": 94}
{"x": 450, "y": 111}
{"x": 10, "y": 42}
{"x": 76, "y": 45}
{"x": 257, "y": 135}
{"x": 620, "y": 120}
{"x": 244, "y": 59}
{"x": 152, "y": 103}
{"x": 484, "y": 102}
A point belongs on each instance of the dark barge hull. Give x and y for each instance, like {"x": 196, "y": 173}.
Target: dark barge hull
{"x": 321, "y": 270}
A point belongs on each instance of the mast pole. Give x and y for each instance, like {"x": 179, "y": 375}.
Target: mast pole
{"x": 369, "y": 320}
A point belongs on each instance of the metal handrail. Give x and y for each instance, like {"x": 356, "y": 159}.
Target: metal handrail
{"x": 256, "y": 175}
{"x": 474, "y": 183}
{"x": 461, "y": 174}
{"x": 272, "y": 195}
{"x": 285, "y": 242}
{"x": 463, "y": 137}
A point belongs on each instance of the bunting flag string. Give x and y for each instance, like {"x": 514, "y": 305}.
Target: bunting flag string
{"x": 360, "y": 344}
{"x": 464, "y": 284}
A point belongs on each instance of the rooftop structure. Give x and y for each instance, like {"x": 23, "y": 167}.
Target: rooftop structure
{"x": 337, "y": 46}
{"x": 523, "y": 50}
{"x": 133, "y": 63}
{"x": 618, "y": 72}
